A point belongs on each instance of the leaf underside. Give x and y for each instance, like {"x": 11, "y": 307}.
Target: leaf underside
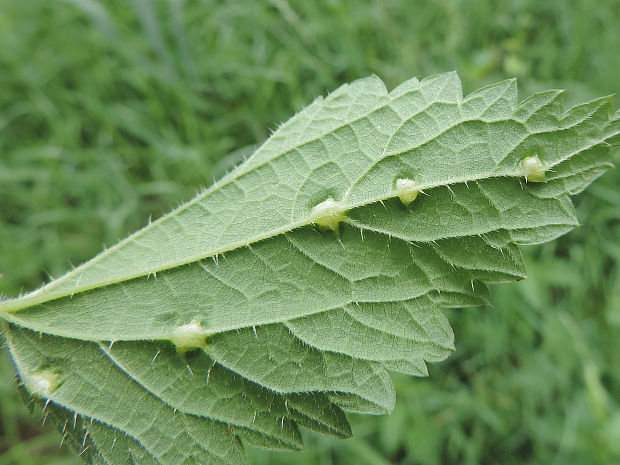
{"x": 300, "y": 323}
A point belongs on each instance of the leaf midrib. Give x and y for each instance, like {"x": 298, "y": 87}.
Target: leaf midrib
{"x": 40, "y": 296}
{"x": 347, "y": 300}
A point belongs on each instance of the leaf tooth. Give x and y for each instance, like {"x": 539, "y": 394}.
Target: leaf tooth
{"x": 539, "y": 103}
{"x": 314, "y": 411}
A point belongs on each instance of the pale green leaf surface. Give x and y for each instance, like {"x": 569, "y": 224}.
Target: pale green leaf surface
{"x": 89, "y": 384}
{"x": 97, "y": 444}
{"x": 296, "y": 323}
{"x": 181, "y": 384}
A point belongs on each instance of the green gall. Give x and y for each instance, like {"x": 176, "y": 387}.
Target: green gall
{"x": 41, "y": 383}
{"x": 328, "y": 214}
{"x": 189, "y": 337}
{"x": 533, "y": 169}
{"x": 407, "y": 190}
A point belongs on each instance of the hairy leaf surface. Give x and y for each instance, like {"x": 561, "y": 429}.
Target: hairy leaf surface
{"x": 307, "y": 273}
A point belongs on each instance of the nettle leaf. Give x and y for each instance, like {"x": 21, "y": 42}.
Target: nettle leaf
{"x": 282, "y": 295}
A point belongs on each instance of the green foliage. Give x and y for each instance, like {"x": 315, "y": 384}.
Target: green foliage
{"x": 94, "y": 138}
{"x": 292, "y": 325}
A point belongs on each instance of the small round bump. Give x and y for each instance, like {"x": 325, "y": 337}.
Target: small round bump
{"x": 407, "y": 190}
{"x": 533, "y": 169}
{"x": 328, "y": 214}
{"x": 41, "y": 383}
{"x": 189, "y": 337}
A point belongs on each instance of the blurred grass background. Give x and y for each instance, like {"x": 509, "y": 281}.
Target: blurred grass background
{"x": 114, "y": 111}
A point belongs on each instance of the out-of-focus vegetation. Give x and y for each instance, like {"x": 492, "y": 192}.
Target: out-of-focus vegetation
{"x": 114, "y": 111}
